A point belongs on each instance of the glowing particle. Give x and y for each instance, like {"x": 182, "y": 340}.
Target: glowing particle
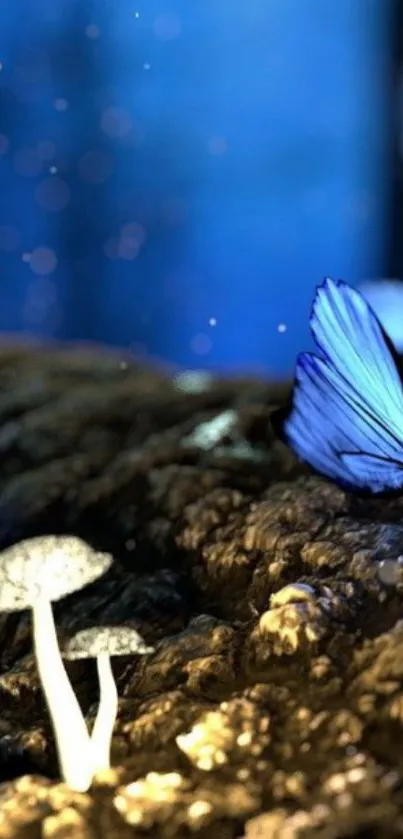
{"x": 60, "y": 104}
{"x": 116, "y": 122}
{"x": 43, "y": 261}
{"x": 282, "y": 327}
{"x": 198, "y": 810}
{"x": 217, "y": 145}
{"x": 4, "y": 144}
{"x": 41, "y": 297}
{"x": 92, "y": 31}
{"x": 134, "y": 233}
{"x": 53, "y": 194}
{"x": 201, "y": 344}
{"x": 127, "y": 249}
{"x": 146, "y": 66}
{"x": 213, "y": 322}
{"x": 53, "y": 170}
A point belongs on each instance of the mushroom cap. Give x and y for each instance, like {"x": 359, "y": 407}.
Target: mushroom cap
{"x": 109, "y": 640}
{"x": 47, "y": 567}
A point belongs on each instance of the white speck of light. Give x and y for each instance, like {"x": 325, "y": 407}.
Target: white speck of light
{"x": 53, "y": 170}
{"x": 146, "y": 65}
{"x": 137, "y": 15}
{"x": 282, "y": 327}
{"x": 213, "y": 322}
{"x": 1, "y": 66}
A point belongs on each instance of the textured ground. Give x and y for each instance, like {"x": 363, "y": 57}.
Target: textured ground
{"x": 273, "y": 704}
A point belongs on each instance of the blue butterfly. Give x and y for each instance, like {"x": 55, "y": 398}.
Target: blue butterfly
{"x": 346, "y": 418}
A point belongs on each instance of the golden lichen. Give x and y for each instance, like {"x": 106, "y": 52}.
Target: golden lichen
{"x": 226, "y": 734}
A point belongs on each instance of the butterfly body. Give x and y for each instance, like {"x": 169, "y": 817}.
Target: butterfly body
{"x": 346, "y": 418}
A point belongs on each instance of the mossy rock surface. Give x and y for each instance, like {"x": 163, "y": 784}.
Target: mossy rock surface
{"x": 272, "y": 706}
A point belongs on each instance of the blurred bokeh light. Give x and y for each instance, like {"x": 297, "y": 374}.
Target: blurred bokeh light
{"x": 177, "y": 177}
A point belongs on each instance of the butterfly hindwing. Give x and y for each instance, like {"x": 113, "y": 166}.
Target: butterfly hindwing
{"x": 379, "y": 471}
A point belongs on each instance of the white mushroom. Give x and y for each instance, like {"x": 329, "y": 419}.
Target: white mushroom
{"x": 101, "y": 643}
{"x": 33, "y": 573}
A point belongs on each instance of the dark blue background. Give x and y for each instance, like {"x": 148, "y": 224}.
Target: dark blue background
{"x": 178, "y": 176}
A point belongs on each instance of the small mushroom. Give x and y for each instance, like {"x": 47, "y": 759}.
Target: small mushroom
{"x": 33, "y": 573}
{"x": 101, "y": 643}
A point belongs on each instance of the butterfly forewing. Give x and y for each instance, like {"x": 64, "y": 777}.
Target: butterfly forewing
{"x": 350, "y": 336}
{"x": 347, "y": 415}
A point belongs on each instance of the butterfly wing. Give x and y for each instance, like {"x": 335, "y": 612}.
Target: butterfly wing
{"x": 348, "y": 334}
{"x": 347, "y": 414}
{"x": 374, "y": 472}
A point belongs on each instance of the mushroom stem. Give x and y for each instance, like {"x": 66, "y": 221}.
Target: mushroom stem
{"x": 70, "y": 729}
{"x": 102, "y": 731}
